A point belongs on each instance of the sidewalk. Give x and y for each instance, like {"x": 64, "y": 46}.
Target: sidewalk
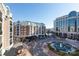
{"x": 14, "y": 49}
{"x": 73, "y": 43}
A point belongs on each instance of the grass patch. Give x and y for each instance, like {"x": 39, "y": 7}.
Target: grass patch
{"x": 76, "y": 53}
{"x": 50, "y": 48}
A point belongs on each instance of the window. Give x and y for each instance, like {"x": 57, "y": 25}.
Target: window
{"x": 56, "y": 28}
{"x": 10, "y": 17}
{"x": 17, "y": 29}
{"x": 68, "y": 28}
{"x": 17, "y": 33}
{"x": 6, "y": 16}
{"x": 71, "y": 22}
{"x": 72, "y": 13}
{"x": 78, "y": 29}
{"x": 10, "y": 26}
{"x": 10, "y": 41}
{"x": 78, "y": 22}
{"x": 56, "y": 23}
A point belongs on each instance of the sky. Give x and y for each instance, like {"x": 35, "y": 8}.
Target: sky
{"x": 41, "y": 12}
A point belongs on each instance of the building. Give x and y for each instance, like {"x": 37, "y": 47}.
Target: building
{"x": 6, "y": 36}
{"x": 67, "y": 26}
{"x": 27, "y": 29}
{"x": 49, "y": 31}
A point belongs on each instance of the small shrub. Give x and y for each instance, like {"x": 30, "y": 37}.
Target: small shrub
{"x": 76, "y": 53}
{"x": 50, "y": 48}
{"x": 77, "y": 50}
{"x": 61, "y": 53}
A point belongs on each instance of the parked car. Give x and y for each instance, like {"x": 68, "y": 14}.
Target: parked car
{"x": 41, "y": 36}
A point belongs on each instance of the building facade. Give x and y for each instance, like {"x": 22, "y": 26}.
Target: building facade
{"x": 68, "y": 25}
{"x": 27, "y": 28}
{"x": 6, "y": 34}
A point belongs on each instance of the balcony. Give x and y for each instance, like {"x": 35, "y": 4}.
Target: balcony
{"x": 11, "y": 41}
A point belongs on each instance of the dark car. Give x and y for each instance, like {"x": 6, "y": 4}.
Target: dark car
{"x": 41, "y": 36}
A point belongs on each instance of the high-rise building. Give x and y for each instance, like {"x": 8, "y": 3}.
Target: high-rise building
{"x": 68, "y": 25}
{"x": 27, "y": 28}
{"x": 6, "y": 36}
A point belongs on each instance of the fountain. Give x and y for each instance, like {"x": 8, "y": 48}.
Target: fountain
{"x": 62, "y": 47}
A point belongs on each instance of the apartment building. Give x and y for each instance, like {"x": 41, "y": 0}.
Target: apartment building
{"x": 6, "y": 39}
{"x": 67, "y": 25}
{"x": 27, "y": 29}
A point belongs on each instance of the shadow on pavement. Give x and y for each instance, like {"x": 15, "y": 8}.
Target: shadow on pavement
{"x": 11, "y": 52}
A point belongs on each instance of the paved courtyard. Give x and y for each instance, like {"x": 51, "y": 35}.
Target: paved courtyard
{"x": 39, "y": 47}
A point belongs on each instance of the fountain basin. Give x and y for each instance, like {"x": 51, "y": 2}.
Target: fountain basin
{"x": 60, "y": 46}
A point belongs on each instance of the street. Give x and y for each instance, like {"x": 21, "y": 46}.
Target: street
{"x": 38, "y": 47}
{"x": 74, "y": 43}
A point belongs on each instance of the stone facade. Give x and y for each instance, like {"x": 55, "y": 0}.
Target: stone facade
{"x": 5, "y": 28}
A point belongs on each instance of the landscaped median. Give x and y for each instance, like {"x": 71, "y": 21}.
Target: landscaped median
{"x": 62, "y": 53}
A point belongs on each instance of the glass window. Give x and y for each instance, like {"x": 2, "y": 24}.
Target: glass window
{"x": 78, "y": 22}
{"x": 71, "y": 22}
{"x": 78, "y": 29}
{"x": 59, "y": 24}
{"x": 62, "y": 23}
{"x": 56, "y": 28}
{"x": 10, "y": 26}
{"x": 68, "y": 28}
{"x": 72, "y": 13}
{"x": 56, "y": 23}
{"x": 10, "y": 41}
{"x": 17, "y": 30}
{"x": 17, "y": 33}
